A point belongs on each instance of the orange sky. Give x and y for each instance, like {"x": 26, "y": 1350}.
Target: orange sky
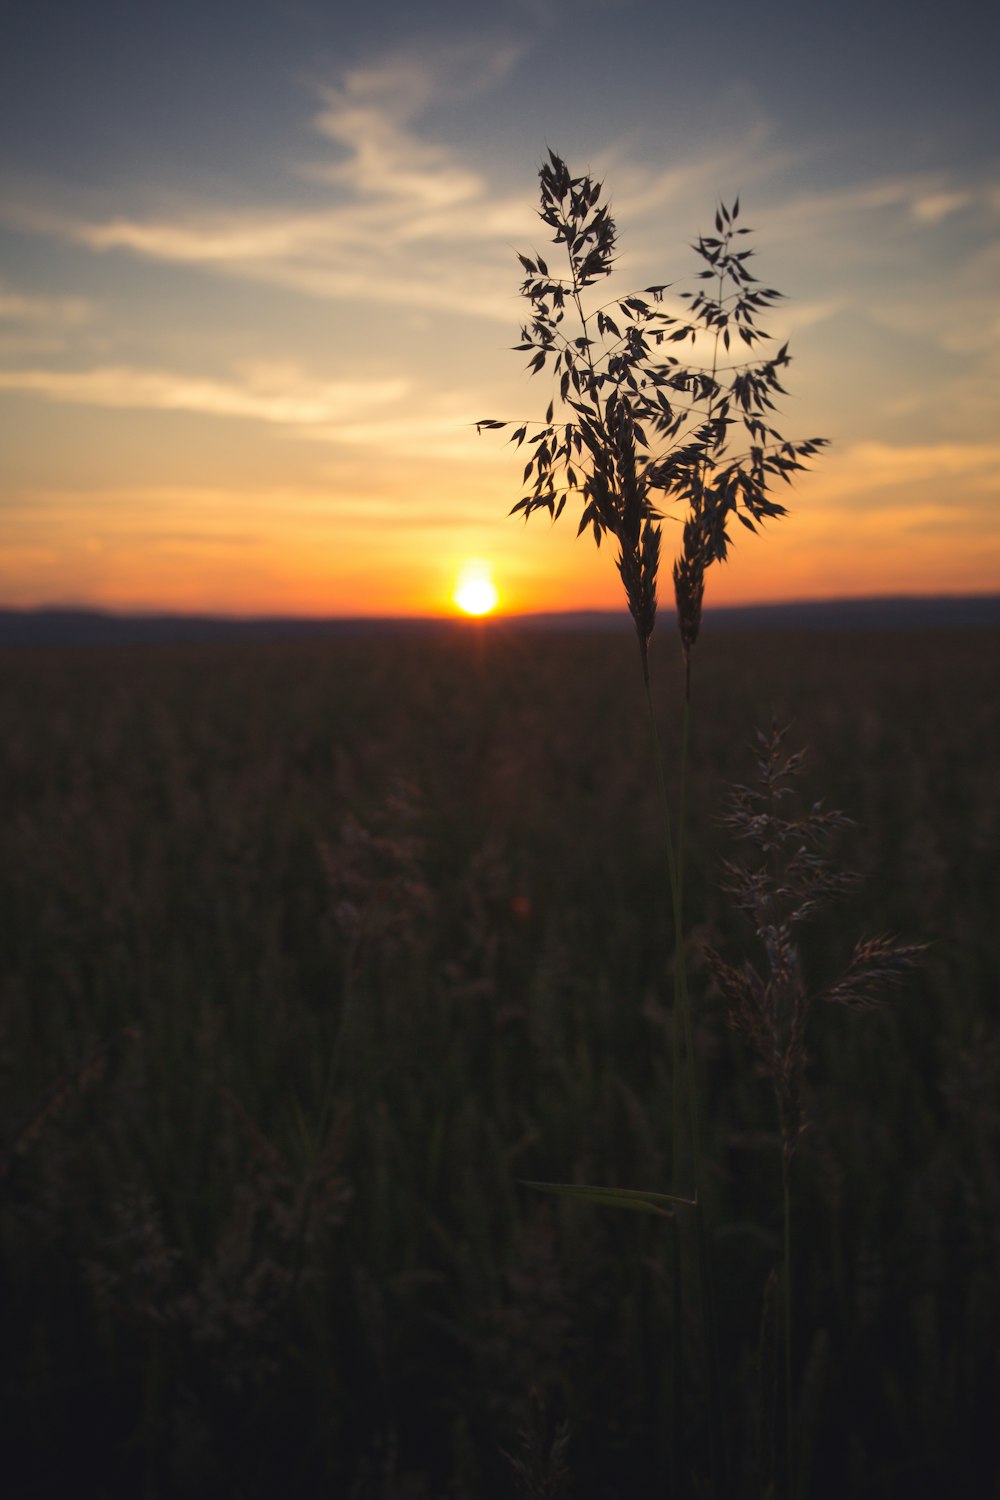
{"x": 244, "y": 343}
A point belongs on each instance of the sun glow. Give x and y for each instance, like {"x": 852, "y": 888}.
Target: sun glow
{"x": 475, "y": 592}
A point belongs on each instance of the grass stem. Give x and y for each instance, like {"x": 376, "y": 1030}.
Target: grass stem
{"x": 685, "y": 1079}
{"x": 787, "y": 1290}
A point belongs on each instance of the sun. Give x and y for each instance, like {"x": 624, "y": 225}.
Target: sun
{"x": 475, "y": 592}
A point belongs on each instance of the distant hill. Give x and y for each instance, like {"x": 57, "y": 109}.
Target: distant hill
{"x": 36, "y": 627}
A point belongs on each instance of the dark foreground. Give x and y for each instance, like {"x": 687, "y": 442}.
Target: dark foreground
{"x": 310, "y": 952}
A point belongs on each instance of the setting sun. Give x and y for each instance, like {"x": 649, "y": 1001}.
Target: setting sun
{"x": 475, "y": 592}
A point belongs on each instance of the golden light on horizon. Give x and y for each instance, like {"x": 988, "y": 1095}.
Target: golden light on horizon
{"x": 475, "y": 592}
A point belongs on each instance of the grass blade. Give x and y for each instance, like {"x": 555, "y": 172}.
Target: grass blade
{"x": 636, "y": 1199}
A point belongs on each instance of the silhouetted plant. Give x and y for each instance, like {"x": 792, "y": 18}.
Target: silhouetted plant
{"x": 640, "y": 429}
{"x": 643, "y": 428}
{"x": 782, "y": 886}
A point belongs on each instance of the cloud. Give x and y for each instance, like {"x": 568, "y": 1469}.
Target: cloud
{"x": 227, "y": 238}
{"x": 400, "y": 210}
{"x": 265, "y": 394}
{"x": 371, "y": 117}
{"x": 32, "y": 326}
{"x": 932, "y": 207}
{"x": 50, "y": 312}
{"x": 639, "y": 191}
{"x": 398, "y": 217}
{"x": 436, "y": 434}
{"x": 385, "y": 417}
{"x": 889, "y": 474}
{"x": 885, "y": 235}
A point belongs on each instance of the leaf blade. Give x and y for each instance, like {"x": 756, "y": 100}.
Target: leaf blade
{"x": 638, "y": 1200}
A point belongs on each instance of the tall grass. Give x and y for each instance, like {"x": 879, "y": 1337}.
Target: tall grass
{"x": 640, "y": 436}
{"x": 311, "y": 951}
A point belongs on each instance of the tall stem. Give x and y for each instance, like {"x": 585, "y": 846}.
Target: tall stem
{"x": 789, "y": 1429}
{"x": 687, "y": 1080}
{"x": 682, "y": 1009}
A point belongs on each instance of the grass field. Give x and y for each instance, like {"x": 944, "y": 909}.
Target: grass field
{"x": 313, "y": 951}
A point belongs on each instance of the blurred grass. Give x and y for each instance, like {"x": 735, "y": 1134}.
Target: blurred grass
{"x": 311, "y": 951}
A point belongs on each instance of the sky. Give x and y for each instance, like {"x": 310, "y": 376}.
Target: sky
{"x": 258, "y": 282}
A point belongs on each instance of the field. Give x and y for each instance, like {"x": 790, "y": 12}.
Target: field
{"x": 311, "y": 952}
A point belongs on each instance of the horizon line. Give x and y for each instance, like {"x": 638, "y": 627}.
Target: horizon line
{"x": 156, "y": 612}
{"x": 59, "y": 626}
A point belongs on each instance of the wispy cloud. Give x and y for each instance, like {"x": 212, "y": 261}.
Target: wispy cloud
{"x": 888, "y": 474}
{"x": 264, "y": 394}
{"x": 371, "y": 117}
{"x": 931, "y": 207}
{"x": 210, "y": 237}
{"x": 919, "y": 197}
{"x": 385, "y": 417}
{"x": 31, "y": 325}
{"x": 399, "y": 215}
{"x": 50, "y": 312}
{"x": 388, "y": 214}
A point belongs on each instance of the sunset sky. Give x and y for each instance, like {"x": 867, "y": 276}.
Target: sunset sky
{"x": 258, "y": 281}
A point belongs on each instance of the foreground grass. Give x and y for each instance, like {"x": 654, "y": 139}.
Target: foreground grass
{"x": 311, "y": 952}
